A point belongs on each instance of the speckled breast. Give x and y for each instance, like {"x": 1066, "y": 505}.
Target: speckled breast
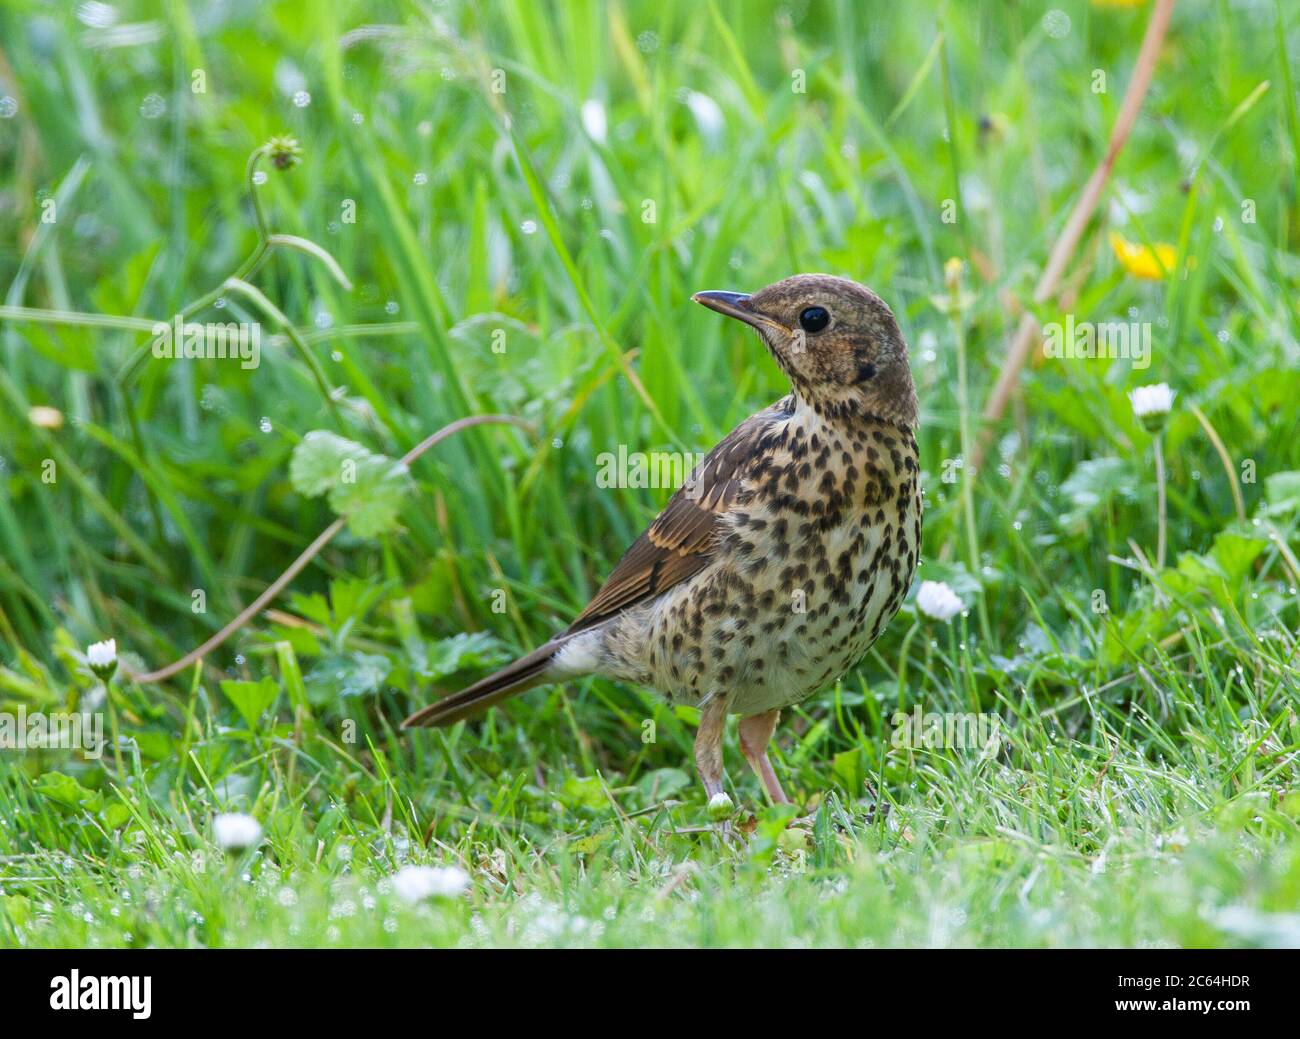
{"x": 818, "y": 559}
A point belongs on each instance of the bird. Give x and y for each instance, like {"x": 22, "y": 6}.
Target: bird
{"x": 781, "y": 558}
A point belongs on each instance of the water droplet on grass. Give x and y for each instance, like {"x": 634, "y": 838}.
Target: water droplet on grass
{"x": 1056, "y": 24}
{"x": 301, "y": 99}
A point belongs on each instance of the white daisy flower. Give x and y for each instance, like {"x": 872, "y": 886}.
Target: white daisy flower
{"x": 102, "y": 658}
{"x": 416, "y": 883}
{"x": 1152, "y": 403}
{"x": 936, "y": 599}
{"x": 102, "y": 654}
{"x": 235, "y": 831}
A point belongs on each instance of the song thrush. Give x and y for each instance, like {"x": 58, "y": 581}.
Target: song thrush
{"x": 779, "y": 562}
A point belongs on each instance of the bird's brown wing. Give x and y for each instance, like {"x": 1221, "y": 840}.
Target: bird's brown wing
{"x": 683, "y": 538}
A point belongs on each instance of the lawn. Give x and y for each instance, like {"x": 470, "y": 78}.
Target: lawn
{"x": 425, "y": 211}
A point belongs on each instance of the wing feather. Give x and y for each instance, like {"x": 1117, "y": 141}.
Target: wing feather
{"x": 685, "y": 535}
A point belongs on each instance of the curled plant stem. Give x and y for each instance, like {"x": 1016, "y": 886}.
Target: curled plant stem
{"x": 265, "y": 243}
{"x": 1160, "y": 503}
{"x": 271, "y": 310}
{"x": 243, "y": 271}
{"x": 310, "y": 552}
{"x": 272, "y": 590}
{"x": 306, "y": 245}
{"x": 259, "y": 217}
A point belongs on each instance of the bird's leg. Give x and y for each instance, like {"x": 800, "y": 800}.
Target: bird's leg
{"x": 708, "y": 752}
{"x": 755, "y": 733}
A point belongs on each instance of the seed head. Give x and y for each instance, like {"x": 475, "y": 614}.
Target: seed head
{"x": 285, "y": 152}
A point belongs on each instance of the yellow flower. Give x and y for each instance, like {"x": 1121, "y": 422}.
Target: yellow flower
{"x": 952, "y": 269}
{"x": 1118, "y": 3}
{"x": 1143, "y": 261}
{"x": 956, "y": 300}
{"x": 44, "y": 416}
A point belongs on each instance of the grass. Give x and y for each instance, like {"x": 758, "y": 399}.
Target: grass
{"x": 514, "y": 251}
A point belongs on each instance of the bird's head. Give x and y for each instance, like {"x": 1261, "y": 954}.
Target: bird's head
{"x": 837, "y": 342}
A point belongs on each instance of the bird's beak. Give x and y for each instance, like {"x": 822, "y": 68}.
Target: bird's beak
{"x": 733, "y": 304}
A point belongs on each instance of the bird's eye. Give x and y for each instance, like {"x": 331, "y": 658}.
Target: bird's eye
{"x": 814, "y": 319}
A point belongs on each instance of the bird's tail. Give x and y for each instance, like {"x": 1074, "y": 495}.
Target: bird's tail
{"x": 525, "y": 673}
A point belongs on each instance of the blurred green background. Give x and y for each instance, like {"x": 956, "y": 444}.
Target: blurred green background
{"x": 689, "y": 109}
{"x": 555, "y": 180}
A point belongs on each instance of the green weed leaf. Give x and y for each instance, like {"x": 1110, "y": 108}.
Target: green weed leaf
{"x": 373, "y": 498}
{"x": 366, "y": 487}
{"x": 251, "y": 698}
{"x": 66, "y": 791}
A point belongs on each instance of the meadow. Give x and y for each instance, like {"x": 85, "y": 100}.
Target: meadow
{"x": 425, "y": 211}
